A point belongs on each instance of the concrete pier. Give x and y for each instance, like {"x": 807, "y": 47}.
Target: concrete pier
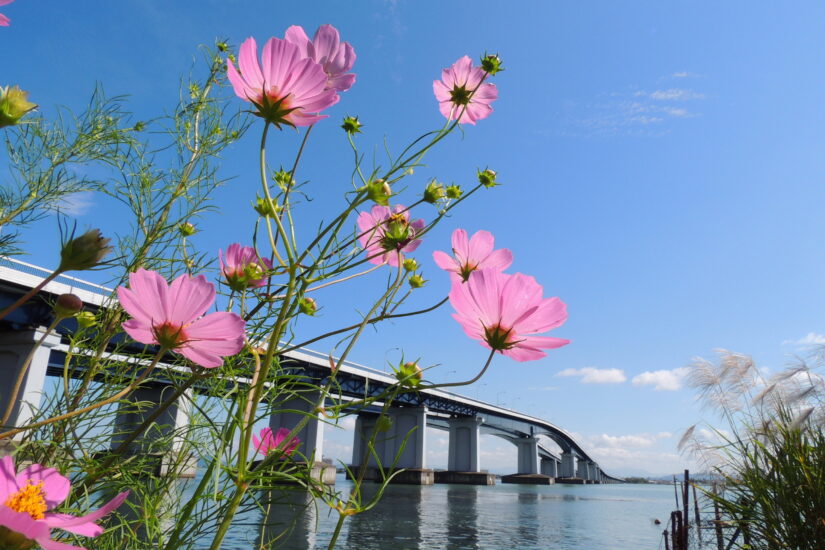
{"x": 15, "y": 347}
{"x": 163, "y": 439}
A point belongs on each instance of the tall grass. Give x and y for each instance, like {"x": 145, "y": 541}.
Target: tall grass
{"x": 770, "y": 454}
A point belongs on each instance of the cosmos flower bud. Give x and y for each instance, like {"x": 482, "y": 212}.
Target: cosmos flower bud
{"x": 384, "y": 424}
{"x": 416, "y": 281}
{"x": 284, "y": 179}
{"x": 453, "y": 191}
{"x": 83, "y": 252}
{"x": 379, "y": 192}
{"x": 307, "y": 306}
{"x": 410, "y": 264}
{"x": 267, "y": 208}
{"x": 86, "y": 319}
{"x": 67, "y": 305}
{"x": 351, "y": 125}
{"x": 14, "y": 104}
{"x": 487, "y": 178}
{"x": 186, "y": 229}
{"x": 491, "y": 64}
{"x": 409, "y": 374}
{"x": 433, "y": 192}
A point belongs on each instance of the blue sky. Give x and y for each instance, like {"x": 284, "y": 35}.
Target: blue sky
{"x": 662, "y": 168}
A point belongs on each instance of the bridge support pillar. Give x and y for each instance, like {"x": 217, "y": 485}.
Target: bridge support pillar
{"x": 162, "y": 439}
{"x": 15, "y": 347}
{"x": 528, "y": 463}
{"x": 550, "y": 467}
{"x": 311, "y": 435}
{"x": 568, "y": 465}
{"x": 463, "y": 461}
{"x": 405, "y": 423}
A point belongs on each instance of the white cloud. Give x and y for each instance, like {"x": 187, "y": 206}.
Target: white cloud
{"x": 76, "y": 204}
{"x": 662, "y": 380}
{"x": 675, "y": 94}
{"x": 592, "y": 375}
{"x": 810, "y": 339}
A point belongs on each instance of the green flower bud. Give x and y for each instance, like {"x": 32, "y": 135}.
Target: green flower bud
{"x": 14, "y": 103}
{"x": 384, "y": 424}
{"x": 416, "y": 281}
{"x": 67, "y": 305}
{"x": 379, "y": 192}
{"x": 307, "y": 306}
{"x": 139, "y": 126}
{"x": 284, "y": 179}
{"x": 186, "y": 229}
{"x": 409, "y": 374}
{"x": 434, "y": 192}
{"x": 83, "y": 252}
{"x": 453, "y": 191}
{"x": 491, "y": 64}
{"x": 86, "y": 319}
{"x": 351, "y": 125}
{"x": 410, "y": 264}
{"x": 222, "y": 46}
{"x": 487, "y": 178}
{"x": 266, "y": 208}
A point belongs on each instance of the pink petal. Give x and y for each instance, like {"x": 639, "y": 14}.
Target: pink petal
{"x": 55, "y": 486}
{"x": 444, "y": 261}
{"x": 296, "y": 35}
{"x": 49, "y": 544}
{"x": 189, "y": 298}
{"x": 76, "y": 524}
{"x": 248, "y": 63}
{"x": 5, "y": 2}
{"x": 4, "y": 21}
{"x": 479, "y": 246}
{"x": 239, "y": 85}
{"x": 326, "y": 42}
{"x": 8, "y": 478}
{"x": 221, "y": 332}
{"x": 499, "y": 259}
{"x": 549, "y": 314}
{"x": 140, "y": 331}
{"x": 151, "y": 290}
{"x": 23, "y": 523}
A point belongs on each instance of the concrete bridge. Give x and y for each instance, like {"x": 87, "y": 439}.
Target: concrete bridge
{"x": 412, "y": 413}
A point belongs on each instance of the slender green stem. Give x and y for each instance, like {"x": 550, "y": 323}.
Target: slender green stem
{"x": 29, "y": 295}
{"x": 468, "y": 382}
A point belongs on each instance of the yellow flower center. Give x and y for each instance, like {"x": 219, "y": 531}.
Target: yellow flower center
{"x": 30, "y": 499}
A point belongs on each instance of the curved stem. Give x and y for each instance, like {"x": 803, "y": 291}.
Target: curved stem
{"x": 265, "y": 184}
{"x": 468, "y": 382}
{"x": 29, "y": 295}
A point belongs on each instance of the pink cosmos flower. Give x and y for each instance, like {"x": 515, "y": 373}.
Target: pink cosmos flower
{"x": 326, "y": 48}
{"x": 243, "y": 267}
{"x": 4, "y": 21}
{"x": 455, "y": 91}
{"x": 267, "y": 442}
{"x": 475, "y": 253}
{"x": 25, "y": 501}
{"x": 505, "y": 311}
{"x": 172, "y": 316}
{"x": 385, "y": 233}
{"x": 286, "y": 87}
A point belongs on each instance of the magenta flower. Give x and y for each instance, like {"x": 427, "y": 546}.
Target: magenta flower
{"x": 26, "y": 499}
{"x": 505, "y": 311}
{"x": 473, "y": 254}
{"x": 172, "y": 316}
{"x": 286, "y": 87}
{"x": 4, "y": 21}
{"x": 385, "y": 233}
{"x": 326, "y": 48}
{"x": 459, "y": 93}
{"x": 243, "y": 267}
{"x": 268, "y": 442}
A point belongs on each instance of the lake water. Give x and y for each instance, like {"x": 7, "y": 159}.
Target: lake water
{"x": 467, "y": 517}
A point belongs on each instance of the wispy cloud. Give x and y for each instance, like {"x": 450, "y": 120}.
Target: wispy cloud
{"x": 639, "y": 112}
{"x": 592, "y": 375}
{"x": 673, "y": 94}
{"x": 76, "y": 204}
{"x": 662, "y": 380}
{"x": 810, "y": 339}
{"x": 684, "y": 74}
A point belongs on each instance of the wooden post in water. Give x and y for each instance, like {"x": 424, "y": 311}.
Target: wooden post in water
{"x": 720, "y": 541}
{"x": 685, "y": 510}
{"x": 667, "y": 542}
{"x": 674, "y": 538}
{"x": 696, "y": 515}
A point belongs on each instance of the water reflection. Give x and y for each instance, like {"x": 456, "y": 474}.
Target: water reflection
{"x": 395, "y": 521}
{"x": 462, "y": 518}
{"x": 290, "y": 520}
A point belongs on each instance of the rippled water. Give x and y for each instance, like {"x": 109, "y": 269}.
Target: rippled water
{"x": 459, "y": 517}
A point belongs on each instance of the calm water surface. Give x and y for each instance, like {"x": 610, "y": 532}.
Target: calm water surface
{"x": 466, "y": 517}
